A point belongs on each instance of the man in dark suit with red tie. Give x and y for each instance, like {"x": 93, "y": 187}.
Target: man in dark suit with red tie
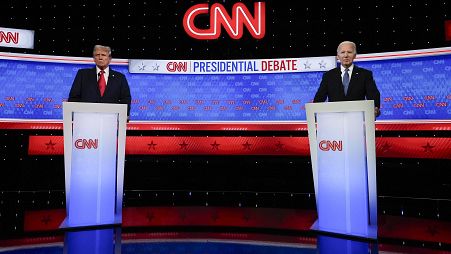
{"x": 100, "y": 84}
{"x": 348, "y": 82}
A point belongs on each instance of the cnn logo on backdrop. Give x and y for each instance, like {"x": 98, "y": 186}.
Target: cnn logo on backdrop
{"x": 82, "y": 143}
{"x": 16, "y": 38}
{"x": 233, "y": 25}
{"x": 9, "y": 37}
{"x": 330, "y": 145}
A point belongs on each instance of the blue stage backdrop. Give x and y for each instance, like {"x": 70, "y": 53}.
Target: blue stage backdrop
{"x": 413, "y": 84}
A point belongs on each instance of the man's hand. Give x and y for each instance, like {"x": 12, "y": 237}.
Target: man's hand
{"x": 377, "y": 112}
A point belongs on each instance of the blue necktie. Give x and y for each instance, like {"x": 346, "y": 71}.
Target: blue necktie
{"x": 346, "y": 81}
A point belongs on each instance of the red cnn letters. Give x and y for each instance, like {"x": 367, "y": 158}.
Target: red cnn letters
{"x": 8, "y": 37}
{"x": 82, "y": 143}
{"x": 219, "y": 17}
{"x": 327, "y": 145}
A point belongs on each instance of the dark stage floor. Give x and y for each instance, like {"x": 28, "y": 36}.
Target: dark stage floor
{"x": 114, "y": 240}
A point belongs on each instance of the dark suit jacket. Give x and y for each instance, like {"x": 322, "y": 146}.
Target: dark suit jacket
{"x": 85, "y": 88}
{"x": 361, "y": 87}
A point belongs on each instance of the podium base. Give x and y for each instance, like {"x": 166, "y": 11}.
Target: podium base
{"x": 66, "y": 226}
{"x": 370, "y": 236}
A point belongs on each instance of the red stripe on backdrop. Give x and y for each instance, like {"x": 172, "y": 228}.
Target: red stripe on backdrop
{"x": 43, "y": 220}
{"x": 54, "y": 145}
{"x": 386, "y": 147}
{"x": 207, "y": 126}
{"x": 448, "y": 30}
{"x": 219, "y": 217}
{"x": 45, "y": 145}
{"x": 396, "y": 227}
{"x": 47, "y": 220}
{"x": 413, "y": 147}
{"x": 415, "y": 229}
{"x": 218, "y": 145}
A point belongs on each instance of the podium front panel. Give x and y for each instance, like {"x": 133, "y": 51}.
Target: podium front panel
{"x": 342, "y": 179}
{"x": 93, "y": 178}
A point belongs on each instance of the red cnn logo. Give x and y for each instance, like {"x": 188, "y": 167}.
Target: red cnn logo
{"x": 82, "y": 143}
{"x": 219, "y": 17}
{"x": 177, "y": 66}
{"x": 8, "y": 37}
{"x": 326, "y": 145}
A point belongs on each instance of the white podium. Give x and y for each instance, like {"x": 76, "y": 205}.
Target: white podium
{"x": 94, "y": 153}
{"x": 343, "y": 154}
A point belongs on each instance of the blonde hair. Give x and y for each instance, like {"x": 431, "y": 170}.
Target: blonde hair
{"x": 107, "y": 48}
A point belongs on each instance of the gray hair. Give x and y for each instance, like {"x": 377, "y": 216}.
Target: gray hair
{"x": 107, "y": 48}
{"x": 347, "y": 42}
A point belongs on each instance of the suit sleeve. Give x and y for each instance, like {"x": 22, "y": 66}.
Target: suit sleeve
{"x": 372, "y": 93}
{"x": 75, "y": 91}
{"x": 321, "y": 94}
{"x": 125, "y": 96}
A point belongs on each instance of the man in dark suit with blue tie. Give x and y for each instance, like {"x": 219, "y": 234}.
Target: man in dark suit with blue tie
{"x": 100, "y": 84}
{"x": 348, "y": 82}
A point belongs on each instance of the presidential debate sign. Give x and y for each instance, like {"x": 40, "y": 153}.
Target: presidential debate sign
{"x": 414, "y": 85}
{"x": 252, "y": 66}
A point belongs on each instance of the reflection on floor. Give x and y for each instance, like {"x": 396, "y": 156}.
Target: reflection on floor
{"x": 109, "y": 240}
{"x": 395, "y": 229}
{"x": 113, "y": 240}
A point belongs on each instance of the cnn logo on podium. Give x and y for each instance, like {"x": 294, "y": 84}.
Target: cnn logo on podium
{"x": 330, "y": 145}
{"x": 82, "y": 143}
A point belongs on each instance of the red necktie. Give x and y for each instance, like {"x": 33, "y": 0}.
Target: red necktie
{"x": 102, "y": 83}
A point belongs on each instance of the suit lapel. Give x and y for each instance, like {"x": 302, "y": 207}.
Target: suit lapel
{"x": 111, "y": 81}
{"x": 354, "y": 79}
{"x": 339, "y": 81}
{"x": 93, "y": 80}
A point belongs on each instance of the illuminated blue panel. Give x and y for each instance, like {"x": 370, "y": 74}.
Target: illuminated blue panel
{"x": 256, "y": 97}
{"x": 333, "y": 245}
{"x": 89, "y": 241}
{"x": 411, "y": 88}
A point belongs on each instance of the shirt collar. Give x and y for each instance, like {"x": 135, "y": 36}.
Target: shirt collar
{"x": 107, "y": 71}
{"x": 350, "y": 68}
